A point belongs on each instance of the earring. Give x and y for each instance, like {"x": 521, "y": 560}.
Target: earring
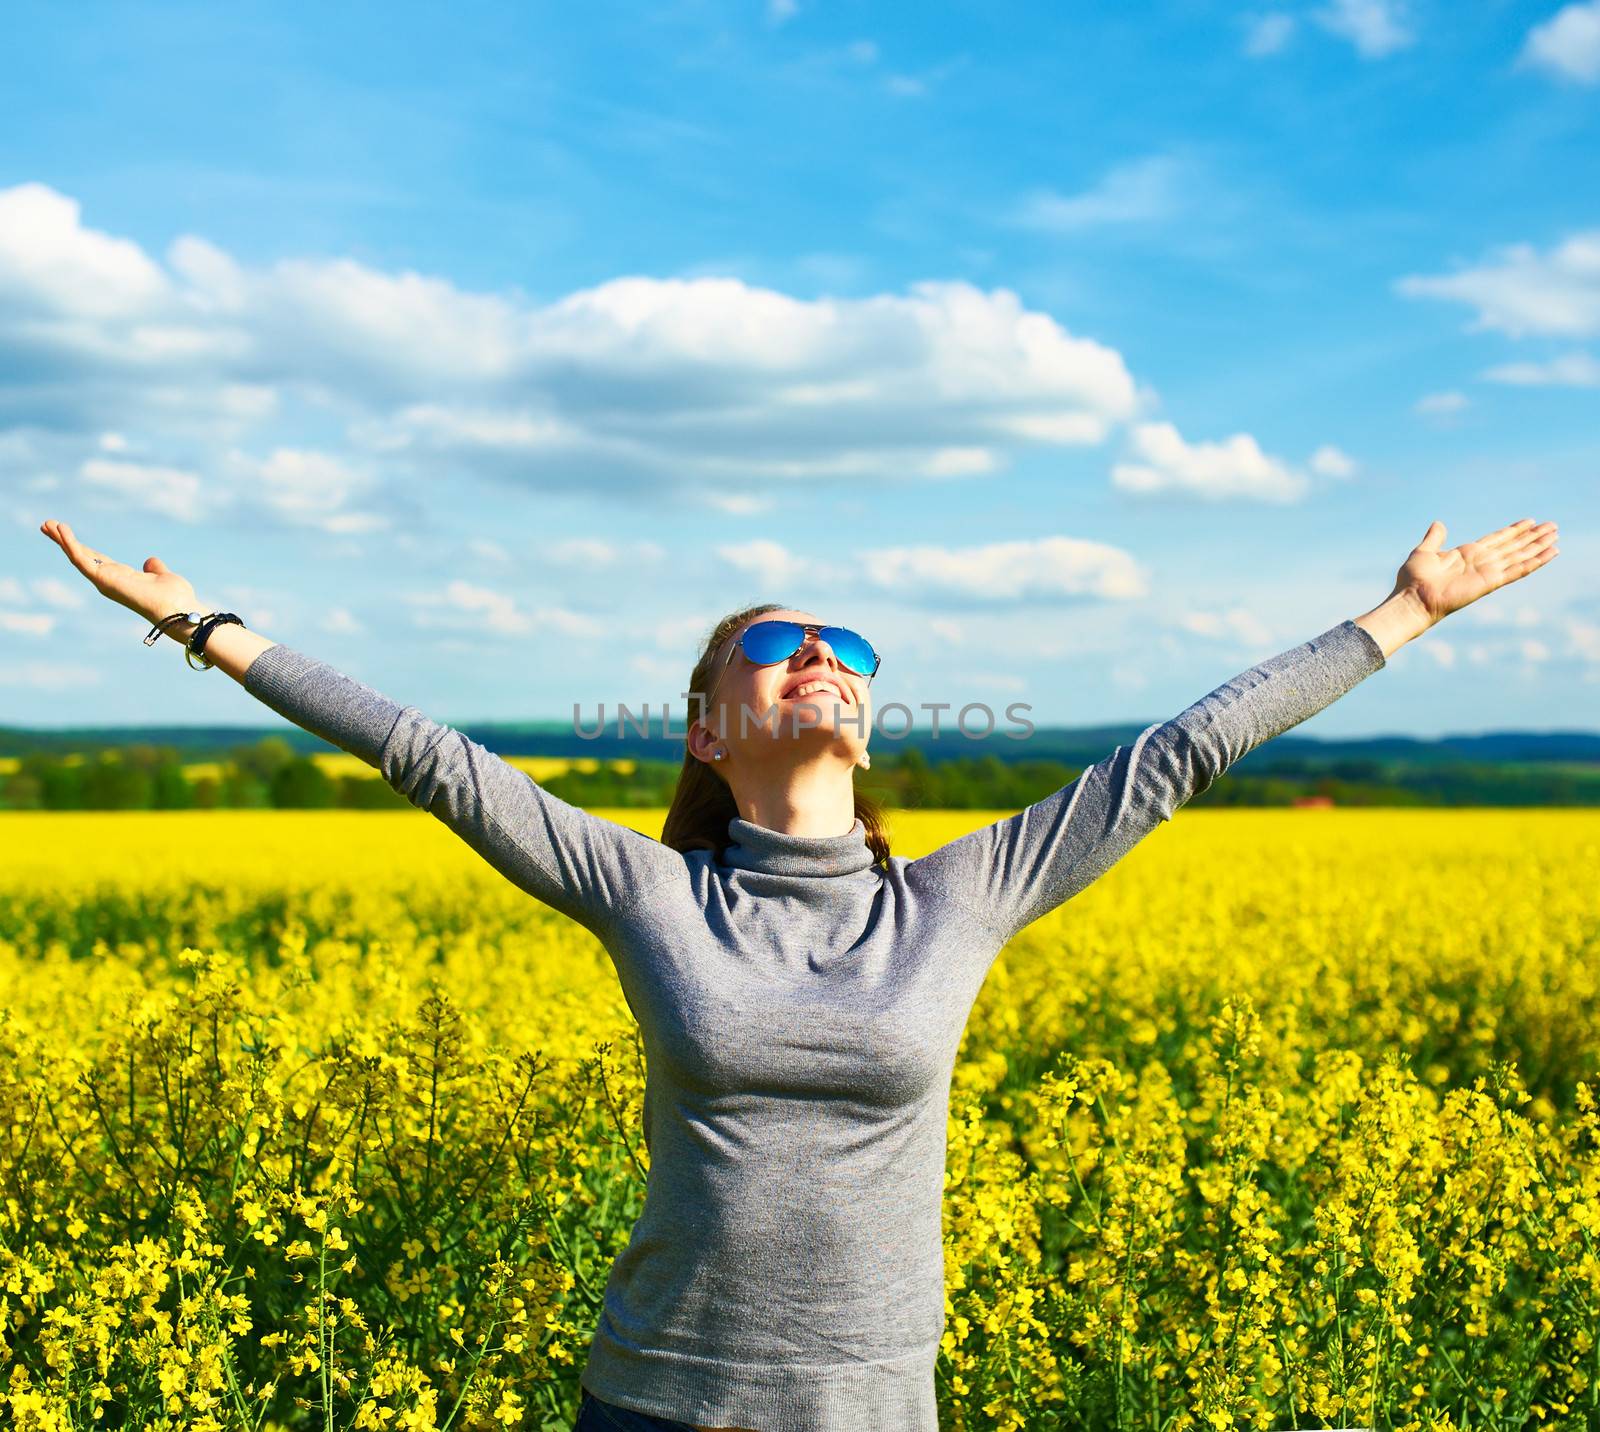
{"x": 717, "y": 756}
{"x": 865, "y": 761}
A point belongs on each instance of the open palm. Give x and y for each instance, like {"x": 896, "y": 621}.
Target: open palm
{"x": 153, "y": 592}
{"x": 1445, "y": 580}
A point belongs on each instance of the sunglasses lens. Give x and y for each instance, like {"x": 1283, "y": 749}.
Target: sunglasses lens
{"x": 853, "y": 649}
{"x": 767, "y": 642}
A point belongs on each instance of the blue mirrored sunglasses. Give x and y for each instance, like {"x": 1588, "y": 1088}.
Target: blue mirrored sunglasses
{"x": 765, "y": 643}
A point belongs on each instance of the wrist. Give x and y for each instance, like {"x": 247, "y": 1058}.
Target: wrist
{"x": 1399, "y": 618}
{"x": 181, "y": 631}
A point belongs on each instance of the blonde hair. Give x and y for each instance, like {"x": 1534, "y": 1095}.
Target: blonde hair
{"x": 702, "y": 804}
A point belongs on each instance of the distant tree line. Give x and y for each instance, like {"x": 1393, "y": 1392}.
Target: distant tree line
{"x": 266, "y": 775}
{"x": 271, "y": 774}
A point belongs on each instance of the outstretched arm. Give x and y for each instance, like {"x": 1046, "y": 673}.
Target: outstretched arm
{"x": 575, "y": 862}
{"x": 1018, "y": 869}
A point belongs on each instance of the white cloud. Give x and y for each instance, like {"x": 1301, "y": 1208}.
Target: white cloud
{"x": 311, "y": 489}
{"x": 907, "y": 86}
{"x": 779, "y": 11}
{"x": 1329, "y": 461}
{"x": 1440, "y": 404}
{"x": 594, "y": 552}
{"x": 773, "y": 563}
{"x": 697, "y": 386}
{"x": 26, "y": 623}
{"x": 169, "y": 491}
{"x": 340, "y": 621}
{"x": 1375, "y": 27}
{"x": 1569, "y": 370}
{"x": 1139, "y": 191}
{"x": 467, "y": 606}
{"x": 497, "y": 611}
{"x": 487, "y": 551}
{"x": 1499, "y": 614}
{"x": 1268, "y": 34}
{"x": 1045, "y": 567}
{"x": 1567, "y": 44}
{"x": 1440, "y": 652}
{"x": 685, "y": 633}
{"x": 737, "y": 504}
{"x": 1518, "y": 290}
{"x": 1532, "y": 650}
{"x": 47, "y": 675}
{"x": 53, "y": 268}
{"x": 1237, "y": 624}
{"x": 52, "y": 591}
{"x": 1583, "y": 640}
{"x": 1049, "y": 568}
{"x": 1235, "y": 467}
{"x": 11, "y": 590}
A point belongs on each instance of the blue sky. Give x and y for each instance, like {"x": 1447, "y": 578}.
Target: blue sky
{"x": 1079, "y": 356}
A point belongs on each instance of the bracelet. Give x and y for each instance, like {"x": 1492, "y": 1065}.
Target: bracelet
{"x": 154, "y": 633}
{"x": 202, "y": 634}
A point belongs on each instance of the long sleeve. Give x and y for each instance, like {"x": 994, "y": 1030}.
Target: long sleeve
{"x": 1018, "y": 869}
{"x": 577, "y": 863}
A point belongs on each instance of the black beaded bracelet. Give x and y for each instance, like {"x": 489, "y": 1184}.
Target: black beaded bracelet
{"x": 155, "y": 632}
{"x": 202, "y": 634}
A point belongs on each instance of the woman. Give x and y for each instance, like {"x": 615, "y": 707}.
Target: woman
{"x": 801, "y": 993}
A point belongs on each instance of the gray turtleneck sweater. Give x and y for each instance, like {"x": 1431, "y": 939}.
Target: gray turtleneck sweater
{"x": 801, "y": 1009}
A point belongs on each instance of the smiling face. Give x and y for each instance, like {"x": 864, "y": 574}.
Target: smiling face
{"x": 805, "y": 708}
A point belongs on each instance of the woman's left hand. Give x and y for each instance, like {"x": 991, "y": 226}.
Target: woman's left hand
{"x": 1445, "y": 580}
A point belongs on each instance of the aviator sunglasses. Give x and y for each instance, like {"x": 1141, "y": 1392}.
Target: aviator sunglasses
{"x": 766, "y": 643}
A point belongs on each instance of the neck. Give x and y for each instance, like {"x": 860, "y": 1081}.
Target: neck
{"x": 816, "y": 800}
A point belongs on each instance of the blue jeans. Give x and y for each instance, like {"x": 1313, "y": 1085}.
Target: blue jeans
{"x": 597, "y": 1416}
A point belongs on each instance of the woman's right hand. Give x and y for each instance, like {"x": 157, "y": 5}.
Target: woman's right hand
{"x": 153, "y": 593}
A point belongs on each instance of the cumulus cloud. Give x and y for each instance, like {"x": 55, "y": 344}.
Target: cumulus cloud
{"x": 737, "y": 504}
{"x": 1375, "y": 27}
{"x": 1044, "y": 568}
{"x": 635, "y": 383}
{"x": 341, "y": 621}
{"x": 1566, "y": 45}
{"x": 1583, "y": 640}
{"x": 721, "y": 392}
{"x": 56, "y": 271}
{"x": 169, "y": 491}
{"x": 27, "y": 623}
{"x": 1139, "y": 191}
{"x": 309, "y": 489}
{"x": 593, "y": 552}
{"x": 1569, "y": 370}
{"x": 47, "y": 675}
{"x": 1329, "y": 461}
{"x": 776, "y": 566}
{"x": 56, "y": 593}
{"x": 1518, "y": 290}
{"x": 1441, "y": 404}
{"x": 1237, "y": 624}
{"x": 1234, "y": 468}
{"x": 463, "y": 605}
{"x": 1268, "y": 34}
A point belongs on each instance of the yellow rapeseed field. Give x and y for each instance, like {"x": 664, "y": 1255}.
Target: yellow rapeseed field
{"x": 312, "y": 1120}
